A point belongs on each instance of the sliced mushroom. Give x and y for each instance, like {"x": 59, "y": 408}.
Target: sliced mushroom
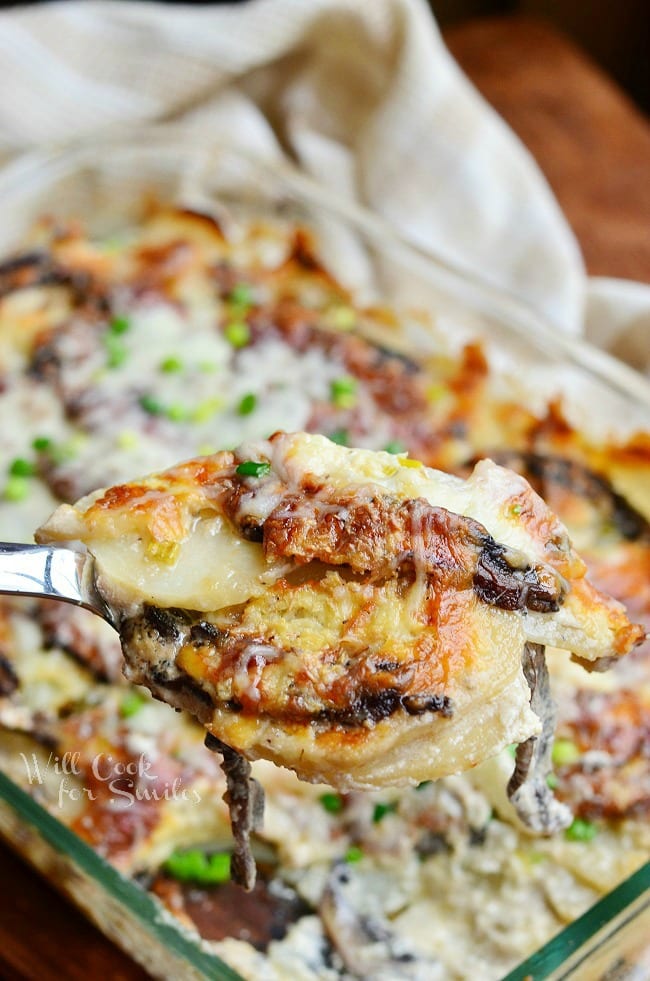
{"x": 364, "y": 940}
{"x": 245, "y": 799}
{"x": 8, "y": 678}
{"x": 528, "y": 789}
{"x": 585, "y": 500}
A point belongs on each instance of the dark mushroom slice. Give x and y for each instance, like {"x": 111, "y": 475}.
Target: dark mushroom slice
{"x": 245, "y": 800}
{"x": 528, "y": 789}
{"x": 364, "y": 940}
{"x": 9, "y": 680}
{"x": 577, "y": 493}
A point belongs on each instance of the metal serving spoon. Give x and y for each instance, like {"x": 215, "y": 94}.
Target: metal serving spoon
{"x": 61, "y": 573}
{"x": 51, "y": 572}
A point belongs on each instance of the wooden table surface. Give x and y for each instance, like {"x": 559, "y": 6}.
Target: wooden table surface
{"x": 594, "y": 148}
{"x": 591, "y": 142}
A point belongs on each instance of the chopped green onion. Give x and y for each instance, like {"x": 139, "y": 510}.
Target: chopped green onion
{"x": 165, "y": 553}
{"x": 423, "y": 784}
{"x": 252, "y": 468}
{"x": 247, "y": 405}
{"x": 237, "y": 333}
{"x": 64, "y": 452}
{"x": 196, "y": 866}
{"x": 333, "y": 803}
{"x": 41, "y": 443}
{"x": 340, "y": 436}
{"x": 354, "y": 854}
{"x": 342, "y": 317}
{"x": 395, "y": 446}
{"x": 516, "y": 509}
{"x": 534, "y": 858}
{"x": 21, "y": 468}
{"x": 131, "y": 703}
{"x": 565, "y": 752}
{"x": 119, "y": 325}
{"x": 381, "y": 810}
{"x": 551, "y": 781}
{"x": 171, "y": 365}
{"x": 241, "y": 295}
{"x": 112, "y": 244}
{"x": 16, "y": 489}
{"x": 512, "y": 750}
{"x": 206, "y": 449}
{"x": 151, "y": 405}
{"x": 343, "y": 392}
{"x": 205, "y": 410}
{"x": 207, "y": 367}
{"x": 177, "y": 412}
{"x": 581, "y": 830}
{"x": 116, "y": 351}
{"x": 127, "y": 440}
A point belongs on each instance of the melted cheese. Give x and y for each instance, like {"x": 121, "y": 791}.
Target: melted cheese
{"x": 212, "y": 566}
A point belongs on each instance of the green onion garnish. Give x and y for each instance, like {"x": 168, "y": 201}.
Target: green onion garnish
{"x": 171, "y": 365}
{"x": 41, "y": 443}
{"x": 119, "y": 325}
{"x": 206, "y": 449}
{"x": 127, "y": 439}
{"x": 115, "y": 350}
{"x": 16, "y": 489}
{"x": 64, "y": 452}
{"x": 339, "y": 436}
{"x": 207, "y": 409}
{"x": 241, "y": 295}
{"x": 395, "y": 446}
{"x": 565, "y": 752}
{"x": 512, "y": 750}
{"x": 131, "y": 703}
{"x": 423, "y": 784}
{"x": 151, "y": 405}
{"x": 343, "y": 392}
{"x": 177, "y": 412}
{"x": 333, "y": 803}
{"x": 551, "y": 781}
{"x": 196, "y": 866}
{"x": 581, "y": 830}
{"x": 237, "y": 333}
{"x": 247, "y": 405}
{"x": 251, "y": 468}
{"x": 21, "y": 468}
{"x": 342, "y": 317}
{"x": 381, "y": 810}
{"x": 354, "y": 854}
{"x": 515, "y": 509}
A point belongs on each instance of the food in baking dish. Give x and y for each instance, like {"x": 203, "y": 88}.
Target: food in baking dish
{"x": 176, "y": 338}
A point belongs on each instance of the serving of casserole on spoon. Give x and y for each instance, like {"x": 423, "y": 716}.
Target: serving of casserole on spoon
{"x": 352, "y": 615}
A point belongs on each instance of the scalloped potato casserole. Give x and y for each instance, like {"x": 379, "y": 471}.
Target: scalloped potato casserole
{"x": 176, "y": 339}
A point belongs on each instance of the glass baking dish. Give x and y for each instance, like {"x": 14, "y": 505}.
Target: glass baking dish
{"x": 103, "y": 184}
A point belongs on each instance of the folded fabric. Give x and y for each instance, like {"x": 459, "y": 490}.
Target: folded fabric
{"x": 362, "y": 95}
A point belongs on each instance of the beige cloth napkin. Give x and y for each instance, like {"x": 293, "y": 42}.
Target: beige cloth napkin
{"x": 362, "y": 93}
